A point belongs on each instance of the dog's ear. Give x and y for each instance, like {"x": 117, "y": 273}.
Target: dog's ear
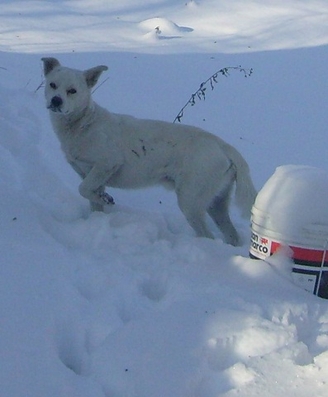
{"x": 92, "y": 75}
{"x": 49, "y": 64}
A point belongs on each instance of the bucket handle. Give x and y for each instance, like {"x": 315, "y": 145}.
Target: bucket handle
{"x": 321, "y": 267}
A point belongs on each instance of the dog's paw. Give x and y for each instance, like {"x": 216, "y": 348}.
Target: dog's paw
{"x": 106, "y": 198}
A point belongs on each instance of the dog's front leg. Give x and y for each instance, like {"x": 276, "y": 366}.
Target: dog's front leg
{"x": 100, "y": 207}
{"x": 93, "y": 186}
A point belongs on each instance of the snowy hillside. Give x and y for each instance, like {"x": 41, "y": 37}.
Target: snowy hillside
{"x": 130, "y": 303}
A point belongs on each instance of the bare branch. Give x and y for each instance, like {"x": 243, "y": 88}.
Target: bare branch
{"x": 211, "y": 81}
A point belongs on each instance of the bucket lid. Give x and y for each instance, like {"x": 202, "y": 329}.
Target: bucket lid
{"x": 294, "y": 203}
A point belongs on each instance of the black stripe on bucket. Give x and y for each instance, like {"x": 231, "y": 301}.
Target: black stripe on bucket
{"x": 320, "y": 287}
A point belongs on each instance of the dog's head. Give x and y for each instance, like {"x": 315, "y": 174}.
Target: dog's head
{"x": 68, "y": 90}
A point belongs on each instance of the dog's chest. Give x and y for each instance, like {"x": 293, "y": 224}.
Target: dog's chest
{"x": 74, "y": 156}
{"x": 75, "y": 147}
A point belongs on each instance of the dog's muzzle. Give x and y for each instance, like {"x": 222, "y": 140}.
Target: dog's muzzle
{"x": 56, "y": 104}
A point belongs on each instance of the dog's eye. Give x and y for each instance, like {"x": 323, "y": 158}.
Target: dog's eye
{"x": 71, "y": 91}
{"x": 53, "y": 86}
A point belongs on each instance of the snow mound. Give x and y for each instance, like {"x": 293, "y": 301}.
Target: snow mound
{"x": 162, "y": 28}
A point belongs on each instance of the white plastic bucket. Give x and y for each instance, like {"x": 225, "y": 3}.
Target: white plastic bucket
{"x": 292, "y": 210}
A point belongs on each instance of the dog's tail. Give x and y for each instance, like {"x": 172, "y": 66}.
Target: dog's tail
{"x": 245, "y": 191}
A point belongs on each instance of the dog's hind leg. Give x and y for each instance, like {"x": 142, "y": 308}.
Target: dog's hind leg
{"x": 197, "y": 221}
{"x": 194, "y": 213}
{"x": 219, "y": 212}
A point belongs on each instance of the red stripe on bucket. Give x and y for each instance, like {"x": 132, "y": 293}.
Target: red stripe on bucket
{"x": 303, "y": 254}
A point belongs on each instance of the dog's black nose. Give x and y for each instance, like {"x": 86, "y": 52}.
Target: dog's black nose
{"x": 56, "y": 102}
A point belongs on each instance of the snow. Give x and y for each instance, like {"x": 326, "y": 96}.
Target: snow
{"x": 130, "y": 303}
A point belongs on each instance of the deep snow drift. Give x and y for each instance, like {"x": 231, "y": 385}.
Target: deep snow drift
{"x": 130, "y": 303}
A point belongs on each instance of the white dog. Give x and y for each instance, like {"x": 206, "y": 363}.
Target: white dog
{"x": 115, "y": 150}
